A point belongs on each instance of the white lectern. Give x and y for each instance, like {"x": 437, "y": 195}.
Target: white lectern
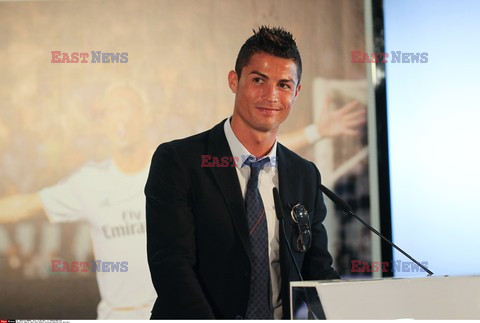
{"x": 391, "y": 298}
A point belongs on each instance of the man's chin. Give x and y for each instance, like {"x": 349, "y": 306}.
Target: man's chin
{"x": 266, "y": 128}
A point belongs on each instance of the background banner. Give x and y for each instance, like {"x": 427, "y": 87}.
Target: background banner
{"x": 88, "y": 89}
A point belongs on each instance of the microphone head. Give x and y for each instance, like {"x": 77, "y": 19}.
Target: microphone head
{"x": 278, "y": 204}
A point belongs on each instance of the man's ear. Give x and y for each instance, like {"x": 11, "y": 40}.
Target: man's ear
{"x": 233, "y": 81}
{"x": 299, "y": 87}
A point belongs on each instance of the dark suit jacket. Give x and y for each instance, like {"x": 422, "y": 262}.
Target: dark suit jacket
{"x": 197, "y": 234}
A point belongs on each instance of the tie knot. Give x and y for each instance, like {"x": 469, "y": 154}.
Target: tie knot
{"x": 253, "y": 163}
{"x": 255, "y": 166}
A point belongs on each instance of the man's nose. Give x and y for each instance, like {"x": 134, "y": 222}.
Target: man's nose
{"x": 270, "y": 93}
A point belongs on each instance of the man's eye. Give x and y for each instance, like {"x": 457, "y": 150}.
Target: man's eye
{"x": 284, "y": 86}
{"x": 257, "y": 80}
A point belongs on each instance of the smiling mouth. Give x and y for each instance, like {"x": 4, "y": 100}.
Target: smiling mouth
{"x": 267, "y": 109}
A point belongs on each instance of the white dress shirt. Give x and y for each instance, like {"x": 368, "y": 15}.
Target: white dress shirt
{"x": 267, "y": 180}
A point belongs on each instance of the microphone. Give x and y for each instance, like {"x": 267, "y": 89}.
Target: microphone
{"x": 347, "y": 209}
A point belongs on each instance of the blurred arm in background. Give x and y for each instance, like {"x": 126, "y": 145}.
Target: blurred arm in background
{"x": 344, "y": 121}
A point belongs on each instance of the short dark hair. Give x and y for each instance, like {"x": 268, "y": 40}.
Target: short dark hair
{"x": 274, "y": 41}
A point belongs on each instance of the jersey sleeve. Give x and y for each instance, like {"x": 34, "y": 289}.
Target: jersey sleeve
{"x": 62, "y": 201}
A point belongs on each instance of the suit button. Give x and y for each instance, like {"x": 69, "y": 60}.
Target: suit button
{"x": 239, "y": 317}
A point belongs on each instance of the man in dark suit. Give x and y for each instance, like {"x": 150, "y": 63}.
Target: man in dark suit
{"x": 215, "y": 247}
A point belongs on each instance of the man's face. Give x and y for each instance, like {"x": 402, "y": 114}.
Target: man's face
{"x": 265, "y": 91}
{"x": 124, "y": 118}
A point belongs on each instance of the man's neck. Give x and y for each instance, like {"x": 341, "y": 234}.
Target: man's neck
{"x": 258, "y": 143}
{"x": 132, "y": 159}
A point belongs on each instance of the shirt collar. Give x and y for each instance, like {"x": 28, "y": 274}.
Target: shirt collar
{"x": 239, "y": 151}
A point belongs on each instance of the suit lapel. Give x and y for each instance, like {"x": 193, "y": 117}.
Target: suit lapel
{"x": 228, "y": 184}
{"x": 288, "y": 179}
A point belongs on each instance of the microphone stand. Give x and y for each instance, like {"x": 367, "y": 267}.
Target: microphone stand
{"x": 347, "y": 209}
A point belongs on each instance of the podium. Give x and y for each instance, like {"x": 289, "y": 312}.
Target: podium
{"x": 456, "y": 297}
